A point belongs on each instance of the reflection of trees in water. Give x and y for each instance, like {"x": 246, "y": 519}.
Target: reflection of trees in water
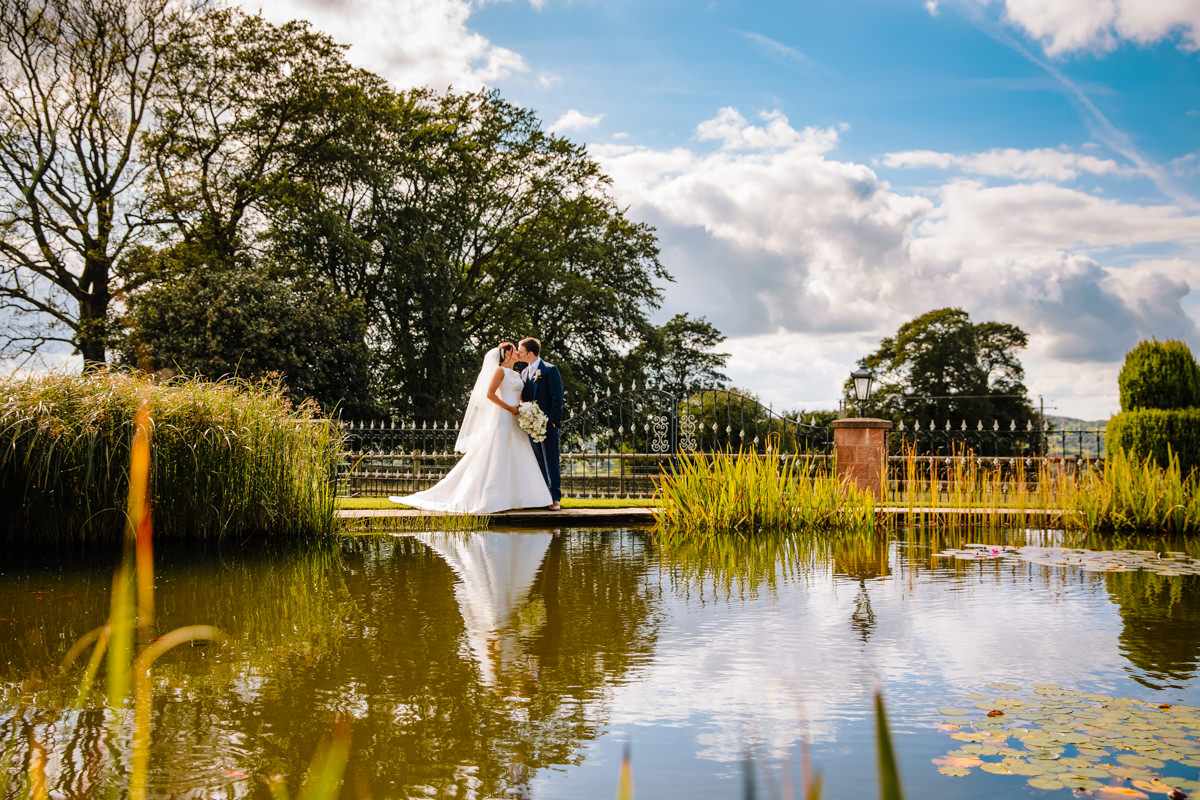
{"x": 1160, "y": 617}
{"x": 375, "y": 632}
{"x": 424, "y": 717}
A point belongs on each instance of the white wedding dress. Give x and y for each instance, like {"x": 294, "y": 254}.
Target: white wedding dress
{"x": 499, "y": 470}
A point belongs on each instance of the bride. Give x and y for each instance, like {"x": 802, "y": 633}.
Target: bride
{"x": 499, "y": 470}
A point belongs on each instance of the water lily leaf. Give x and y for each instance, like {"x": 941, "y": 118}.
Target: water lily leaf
{"x": 1071, "y": 738}
{"x": 1140, "y": 761}
{"x": 1092, "y": 772}
{"x": 969, "y": 736}
{"x": 1097, "y": 698}
{"x": 1019, "y": 766}
{"x": 1079, "y": 782}
{"x": 1119, "y": 791}
{"x": 964, "y": 762}
{"x": 1046, "y": 686}
{"x": 996, "y": 768}
{"x": 1003, "y": 687}
{"x": 1048, "y": 784}
{"x": 1134, "y": 773}
{"x": 954, "y": 712}
{"x": 954, "y": 772}
{"x": 976, "y": 696}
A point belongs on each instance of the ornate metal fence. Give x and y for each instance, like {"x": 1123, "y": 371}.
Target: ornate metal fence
{"x": 1015, "y": 455}
{"x": 613, "y": 444}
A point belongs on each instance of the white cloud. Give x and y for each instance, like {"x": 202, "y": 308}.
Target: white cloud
{"x": 548, "y": 80}
{"x": 932, "y": 7}
{"x": 805, "y": 261}
{"x": 575, "y": 120}
{"x": 409, "y": 42}
{"x": 1065, "y": 26}
{"x": 1039, "y": 164}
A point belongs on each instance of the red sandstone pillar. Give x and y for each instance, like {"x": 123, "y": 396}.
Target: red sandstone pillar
{"x": 861, "y": 448}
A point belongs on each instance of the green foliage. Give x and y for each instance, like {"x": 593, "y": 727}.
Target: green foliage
{"x": 941, "y": 366}
{"x": 1155, "y": 433}
{"x": 746, "y": 492}
{"x": 1133, "y": 494}
{"x": 1159, "y": 375}
{"x": 228, "y": 457}
{"x": 214, "y": 323}
{"x": 680, "y": 354}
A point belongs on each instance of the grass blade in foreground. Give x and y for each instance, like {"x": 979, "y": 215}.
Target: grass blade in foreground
{"x": 889, "y": 773}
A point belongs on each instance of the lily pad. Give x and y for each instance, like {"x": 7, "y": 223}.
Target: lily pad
{"x": 1003, "y": 687}
{"x": 1049, "y": 784}
{"x": 954, "y": 712}
{"x": 954, "y": 772}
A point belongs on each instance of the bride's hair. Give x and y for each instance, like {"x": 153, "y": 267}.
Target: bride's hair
{"x": 505, "y": 348}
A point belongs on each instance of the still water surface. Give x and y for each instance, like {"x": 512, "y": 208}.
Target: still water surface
{"x": 495, "y": 665}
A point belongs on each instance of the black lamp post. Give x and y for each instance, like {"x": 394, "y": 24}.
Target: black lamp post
{"x": 863, "y": 379}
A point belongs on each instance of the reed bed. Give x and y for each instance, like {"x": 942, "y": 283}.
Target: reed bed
{"x": 423, "y": 523}
{"x": 965, "y": 491}
{"x": 747, "y": 492}
{"x": 111, "y": 667}
{"x": 229, "y": 457}
{"x": 1132, "y": 495}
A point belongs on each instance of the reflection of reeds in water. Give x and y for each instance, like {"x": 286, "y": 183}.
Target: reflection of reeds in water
{"x": 748, "y": 492}
{"x": 229, "y": 456}
{"x": 128, "y": 651}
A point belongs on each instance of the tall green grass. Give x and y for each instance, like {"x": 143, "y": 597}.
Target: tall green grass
{"x": 749, "y": 492}
{"x": 229, "y": 457}
{"x": 1132, "y": 495}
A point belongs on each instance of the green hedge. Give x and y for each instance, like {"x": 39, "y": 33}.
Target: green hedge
{"x": 1159, "y": 375}
{"x": 1149, "y": 432}
{"x": 227, "y": 457}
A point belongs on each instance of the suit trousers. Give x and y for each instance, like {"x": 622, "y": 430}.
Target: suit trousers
{"x": 546, "y": 452}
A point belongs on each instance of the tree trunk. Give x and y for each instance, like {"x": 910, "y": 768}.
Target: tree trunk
{"x": 92, "y": 335}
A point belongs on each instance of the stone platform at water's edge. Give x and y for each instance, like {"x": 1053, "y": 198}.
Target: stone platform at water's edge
{"x": 622, "y": 517}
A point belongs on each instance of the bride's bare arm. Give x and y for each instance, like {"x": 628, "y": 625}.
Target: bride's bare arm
{"x": 494, "y": 397}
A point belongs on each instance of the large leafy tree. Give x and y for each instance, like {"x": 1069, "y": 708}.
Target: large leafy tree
{"x": 680, "y": 354}
{"x": 941, "y": 366}
{"x": 77, "y": 81}
{"x": 460, "y": 222}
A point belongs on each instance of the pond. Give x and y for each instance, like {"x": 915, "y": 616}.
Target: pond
{"x": 524, "y": 664}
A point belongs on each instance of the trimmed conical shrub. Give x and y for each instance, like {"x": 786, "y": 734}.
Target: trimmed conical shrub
{"x": 1159, "y": 375}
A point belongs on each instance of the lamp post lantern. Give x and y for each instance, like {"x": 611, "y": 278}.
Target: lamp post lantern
{"x": 863, "y": 379}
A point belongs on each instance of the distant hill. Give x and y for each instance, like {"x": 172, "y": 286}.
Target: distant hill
{"x": 1072, "y": 424}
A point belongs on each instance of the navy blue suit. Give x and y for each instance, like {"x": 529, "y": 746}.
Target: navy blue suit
{"x": 547, "y": 391}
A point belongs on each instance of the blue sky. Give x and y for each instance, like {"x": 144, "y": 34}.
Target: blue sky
{"x": 820, "y": 172}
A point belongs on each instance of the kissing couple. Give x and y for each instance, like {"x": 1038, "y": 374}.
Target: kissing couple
{"x": 503, "y": 467}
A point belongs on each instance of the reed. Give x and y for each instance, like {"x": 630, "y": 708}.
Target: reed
{"x": 1132, "y": 495}
{"x": 229, "y": 457}
{"x": 965, "y": 491}
{"x": 749, "y": 492}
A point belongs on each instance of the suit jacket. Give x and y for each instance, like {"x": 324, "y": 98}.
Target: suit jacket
{"x": 547, "y": 391}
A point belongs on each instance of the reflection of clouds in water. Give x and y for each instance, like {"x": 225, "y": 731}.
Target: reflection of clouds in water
{"x": 795, "y": 664}
{"x": 495, "y": 573}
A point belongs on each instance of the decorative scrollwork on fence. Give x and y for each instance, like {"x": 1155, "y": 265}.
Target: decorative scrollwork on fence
{"x": 660, "y": 441}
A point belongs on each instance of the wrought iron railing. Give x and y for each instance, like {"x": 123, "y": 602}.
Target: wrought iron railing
{"x": 613, "y": 444}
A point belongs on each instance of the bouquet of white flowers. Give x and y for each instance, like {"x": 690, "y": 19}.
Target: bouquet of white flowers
{"x": 532, "y": 420}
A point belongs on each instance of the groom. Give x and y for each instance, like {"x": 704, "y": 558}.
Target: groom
{"x": 543, "y": 385}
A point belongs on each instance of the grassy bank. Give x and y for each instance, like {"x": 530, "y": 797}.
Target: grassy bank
{"x": 229, "y": 457}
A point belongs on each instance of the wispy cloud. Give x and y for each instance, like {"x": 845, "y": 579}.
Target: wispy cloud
{"x": 779, "y": 51}
{"x": 1113, "y": 137}
{"x": 1039, "y": 164}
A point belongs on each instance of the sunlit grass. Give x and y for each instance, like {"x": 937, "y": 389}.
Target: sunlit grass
{"x": 747, "y": 492}
{"x": 1130, "y": 495}
{"x": 229, "y": 457}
